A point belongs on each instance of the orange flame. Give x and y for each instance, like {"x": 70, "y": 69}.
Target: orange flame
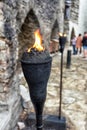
{"x": 38, "y": 42}
{"x": 62, "y": 34}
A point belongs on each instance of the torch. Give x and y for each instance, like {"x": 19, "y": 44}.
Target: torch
{"x": 62, "y": 41}
{"x": 58, "y": 122}
{"x": 36, "y": 66}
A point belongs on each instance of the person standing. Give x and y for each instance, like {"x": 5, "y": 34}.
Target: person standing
{"x": 73, "y": 41}
{"x": 84, "y": 41}
{"x": 79, "y": 44}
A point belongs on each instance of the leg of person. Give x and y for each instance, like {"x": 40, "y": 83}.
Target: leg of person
{"x": 84, "y": 51}
{"x": 80, "y": 50}
{"x": 76, "y": 50}
{"x": 73, "y": 49}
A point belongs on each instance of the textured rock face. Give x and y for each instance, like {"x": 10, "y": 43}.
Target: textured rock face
{"x": 78, "y": 18}
{"x": 83, "y": 16}
{"x": 73, "y": 22}
{"x": 44, "y": 16}
{"x": 75, "y": 10}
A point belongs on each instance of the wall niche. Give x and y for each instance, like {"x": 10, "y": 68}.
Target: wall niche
{"x": 26, "y": 36}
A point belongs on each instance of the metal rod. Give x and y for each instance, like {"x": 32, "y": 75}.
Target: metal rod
{"x": 61, "y": 72}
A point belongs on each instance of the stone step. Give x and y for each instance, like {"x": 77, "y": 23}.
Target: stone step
{"x": 4, "y": 120}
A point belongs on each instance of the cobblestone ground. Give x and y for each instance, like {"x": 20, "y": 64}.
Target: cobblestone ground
{"x": 74, "y": 95}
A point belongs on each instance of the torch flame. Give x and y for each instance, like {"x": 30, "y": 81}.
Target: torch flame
{"x": 62, "y": 34}
{"x": 38, "y": 42}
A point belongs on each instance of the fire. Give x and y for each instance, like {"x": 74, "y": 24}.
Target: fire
{"x": 62, "y": 34}
{"x": 38, "y": 42}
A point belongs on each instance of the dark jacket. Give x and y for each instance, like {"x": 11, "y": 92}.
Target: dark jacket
{"x": 84, "y": 41}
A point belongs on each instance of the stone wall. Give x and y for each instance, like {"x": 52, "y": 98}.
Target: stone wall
{"x": 78, "y": 19}
{"x": 82, "y": 17}
{"x": 79, "y": 16}
{"x": 73, "y": 22}
{"x": 46, "y": 20}
{"x": 75, "y": 11}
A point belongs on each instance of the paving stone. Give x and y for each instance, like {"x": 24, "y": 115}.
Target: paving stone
{"x": 4, "y": 120}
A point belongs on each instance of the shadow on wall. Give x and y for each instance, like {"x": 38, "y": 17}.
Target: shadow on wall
{"x": 72, "y": 34}
{"x": 55, "y": 30}
{"x": 54, "y": 42}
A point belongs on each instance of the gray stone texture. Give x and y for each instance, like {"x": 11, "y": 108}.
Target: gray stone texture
{"x": 75, "y": 10}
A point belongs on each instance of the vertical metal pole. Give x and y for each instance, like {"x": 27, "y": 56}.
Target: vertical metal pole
{"x": 68, "y": 59}
{"x": 61, "y": 72}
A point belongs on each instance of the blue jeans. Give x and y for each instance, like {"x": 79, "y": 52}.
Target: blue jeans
{"x": 85, "y": 47}
{"x": 74, "y": 49}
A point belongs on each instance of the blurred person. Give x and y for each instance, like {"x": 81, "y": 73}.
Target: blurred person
{"x": 79, "y": 44}
{"x": 84, "y": 43}
{"x": 73, "y": 41}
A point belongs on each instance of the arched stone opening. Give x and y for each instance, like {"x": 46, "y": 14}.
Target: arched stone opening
{"x": 55, "y": 30}
{"x": 54, "y": 37}
{"x": 26, "y": 36}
